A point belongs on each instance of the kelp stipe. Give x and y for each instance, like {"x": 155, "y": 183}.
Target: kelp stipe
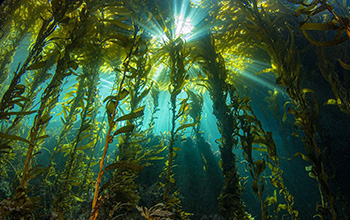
{"x": 131, "y": 157}
{"x": 178, "y": 76}
{"x": 112, "y": 103}
{"x": 230, "y": 203}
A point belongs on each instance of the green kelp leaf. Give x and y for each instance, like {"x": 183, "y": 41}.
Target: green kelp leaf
{"x": 37, "y": 170}
{"x": 112, "y": 166}
{"x": 19, "y": 113}
{"x": 44, "y": 119}
{"x": 282, "y": 206}
{"x": 312, "y": 175}
{"x": 272, "y": 199}
{"x": 118, "y": 97}
{"x": 37, "y": 65}
{"x": 88, "y": 145}
{"x": 335, "y": 41}
{"x": 285, "y": 111}
{"x": 19, "y": 99}
{"x": 110, "y": 109}
{"x": 185, "y": 126}
{"x": 118, "y": 23}
{"x": 308, "y": 168}
{"x": 141, "y": 50}
{"x": 246, "y": 108}
{"x": 323, "y": 210}
{"x": 306, "y": 90}
{"x": 205, "y": 163}
{"x": 331, "y": 102}
{"x": 135, "y": 114}
{"x": 344, "y": 65}
{"x": 155, "y": 158}
{"x": 177, "y": 149}
{"x": 122, "y": 38}
{"x": 309, "y": 10}
{"x": 207, "y": 86}
{"x": 318, "y": 26}
{"x": 174, "y": 154}
{"x": 302, "y": 156}
{"x": 85, "y": 127}
{"x": 184, "y": 107}
{"x": 260, "y": 166}
{"x": 13, "y": 137}
{"x": 125, "y": 129}
{"x": 160, "y": 150}
{"x": 261, "y": 149}
{"x": 275, "y": 182}
{"x": 172, "y": 180}
{"x": 124, "y": 93}
{"x": 220, "y": 164}
{"x": 255, "y": 187}
{"x": 139, "y": 98}
{"x": 204, "y": 159}
{"x": 133, "y": 72}
{"x": 42, "y": 137}
{"x": 4, "y": 152}
{"x": 267, "y": 70}
{"x": 271, "y": 166}
{"x": 63, "y": 121}
{"x": 78, "y": 199}
{"x": 271, "y": 146}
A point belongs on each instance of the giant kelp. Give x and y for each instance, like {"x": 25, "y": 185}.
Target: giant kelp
{"x": 87, "y": 150}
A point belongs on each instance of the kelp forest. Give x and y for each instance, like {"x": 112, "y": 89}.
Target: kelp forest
{"x": 174, "y": 109}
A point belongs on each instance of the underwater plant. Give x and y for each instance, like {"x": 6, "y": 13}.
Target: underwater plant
{"x": 337, "y": 22}
{"x": 230, "y": 203}
{"x": 286, "y": 68}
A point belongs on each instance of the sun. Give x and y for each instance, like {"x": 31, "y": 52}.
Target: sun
{"x": 183, "y": 26}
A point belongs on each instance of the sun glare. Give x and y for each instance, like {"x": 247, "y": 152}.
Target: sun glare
{"x": 187, "y": 17}
{"x": 184, "y": 27}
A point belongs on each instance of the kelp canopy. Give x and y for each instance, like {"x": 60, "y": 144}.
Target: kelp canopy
{"x": 174, "y": 109}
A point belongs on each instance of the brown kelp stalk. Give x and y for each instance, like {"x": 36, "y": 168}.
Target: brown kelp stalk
{"x": 138, "y": 90}
{"x": 121, "y": 187}
{"x": 177, "y": 78}
{"x": 230, "y": 202}
{"x": 112, "y": 106}
{"x": 155, "y": 99}
{"x": 89, "y": 117}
